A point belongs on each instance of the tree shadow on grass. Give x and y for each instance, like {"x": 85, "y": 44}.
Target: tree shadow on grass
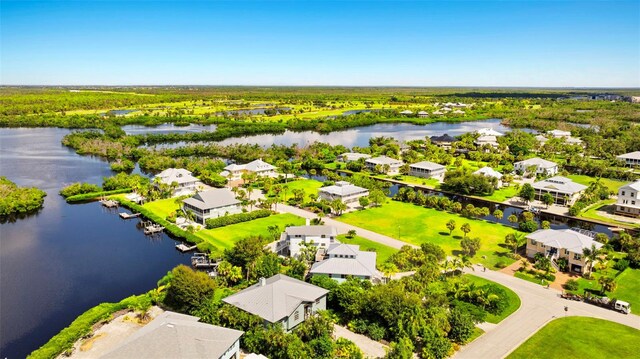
{"x": 457, "y": 237}
{"x": 501, "y": 254}
{"x": 457, "y": 252}
{"x": 443, "y": 233}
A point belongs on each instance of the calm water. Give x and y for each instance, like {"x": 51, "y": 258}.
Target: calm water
{"x": 166, "y": 128}
{"x": 67, "y": 258}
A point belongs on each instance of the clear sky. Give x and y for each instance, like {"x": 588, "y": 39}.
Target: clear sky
{"x": 406, "y": 43}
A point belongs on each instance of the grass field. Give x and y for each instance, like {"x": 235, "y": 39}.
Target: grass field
{"x": 612, "y": 184}
{"x": 163, "y": 207}
{"x": 514, "y": 300}
{"x": 502, "y": 194}
{"x": 427, "y": 182}
{"x": 591, "y": 212}
{"x": 225, "y": 237}
{"x": 383, "y": 252}
{"x": 309, "y": 186}
{"x": 629, "y": 288}
{"x": 416, "y": 225}
{"x": 580, "y": 337}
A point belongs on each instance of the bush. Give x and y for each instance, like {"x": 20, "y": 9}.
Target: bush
{"x": 621, "y": 265}
{"x": 14, "y": 199}
{"x": 79, "y": 188}
{"x": 376, "y": 331}
{"x": 571, "y": 284}
{"x": 237, "y": 218}
{"x": 500, "y": 264}
{"x": 528, "y": 226}
{"x": 94, "y": 195}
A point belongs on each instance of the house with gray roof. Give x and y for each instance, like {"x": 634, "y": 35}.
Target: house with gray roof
{"x": 341, "y": 261}
{"x": 542, "y": 167}
{"x": 344, "y": 191}
{"x": 561, "y": 243}
{"x": 445, "y": 141}
{"x": 388, "y": 165}
{"x": 490, "y": 172}
{"x": 423, "y": 114}
{"x": 183, "y": 180}
{"x": 628, "y": 203}
{"x": 563, "y": 190}
{"x": 212, "y": 203}
{"x": 426, "y": 169}
{"x": 631, "y": 159}
{"x": 294, "y": 238}
{"x": 174, "y": 335}
{"x": 353, "y": 156}
{"x": 281, "y": 300}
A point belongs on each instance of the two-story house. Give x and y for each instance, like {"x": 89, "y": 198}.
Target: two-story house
{"x": 631, "y": 159}
{"x": 491, "y": 173}
{"x": 281, "y": 300}
{"x": 563, "y": 190}
{"x": 216, "y": 202}
{"x": 384, "y": 164}
{"x": 259, "y": 167}
{"x": 345, "y": 260}
{"x": 180, "y": 180}
{"x": 426, "y": 169}
{"x": 562, "y": 243}
{"x": 294, "y": 238}
{"x": 541, "y": 166}
{"x": 344, "y": 191}
{"x": 628, "y": 203}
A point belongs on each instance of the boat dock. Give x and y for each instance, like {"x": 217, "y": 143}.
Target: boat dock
{"x": 151, "y": 228}
{"x": 109, "y": 203}
{"x": 125, "y": 215}
{"x": 184, "y": 248}
{"x": 202, "y": 261}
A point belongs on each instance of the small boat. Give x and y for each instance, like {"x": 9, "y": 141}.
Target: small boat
{"x": 125, "y": 215}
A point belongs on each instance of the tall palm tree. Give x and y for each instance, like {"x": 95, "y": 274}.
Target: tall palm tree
{"x": 608, "y": 284}
{"x": 591, "y": 255}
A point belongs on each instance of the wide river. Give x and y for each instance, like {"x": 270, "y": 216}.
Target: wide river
{"x": 67, "y": 258}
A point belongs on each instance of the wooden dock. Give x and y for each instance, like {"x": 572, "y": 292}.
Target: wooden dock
{"x": 202, "y": 261}
{"x": 125, "y": 215}
{"x": 184, "y": 248}
{"x": 109, "y": 203}
{"x": 153, "y": 228}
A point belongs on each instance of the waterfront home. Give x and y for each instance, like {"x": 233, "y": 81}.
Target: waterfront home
{"x": 489, "y": 132}
{"x": 353, "y": 156}
{"x": 180, "y": 180}
{"x": 541, "y": 139}
{"x": 174, "y": 335}
{"x": 490, "y": 172}
{"x": 213, "y": 203}
{"x": 423, "y": 114}
{"x": 561, "y": 243}
{"x": 345, "y": 260}
{"x": 426, "y": 169}
{"x": 406, "y": 112}
{"x": 573, "y": 141}
{"x": 560, "y": 134}
{"x": 563, "y": 190}
{"x": 344, "y": 191}
{"x": 542, "y": 167}
{"x": 438, "y": 113}
{"x": 445, "y": 141}
{"x": 631, "y": 158}
{"x": 281, "y": 300}
{"x": 387, "y": 165}
{"x": 294, "y": 238}
{"x": 628, "y": 203}
{"x": 458, "y": 112}
{"x": 486, "y": 140}
{"x": 259, "y": 167}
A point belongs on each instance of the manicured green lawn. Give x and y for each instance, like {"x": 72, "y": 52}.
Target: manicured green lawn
{"x": 416, "y": 225}
{"x": 163, "y": 207}
{"x": 383, "y": 252}
{"x": 591, "y": 212}
{"x": 612, "y": 184}
{"x": 427, "y": 182}
{"x": 628, "y": 288}
{"x": 514, "y": 300}
{"x": 309, "y": 186}
{"x": 502, "y": 194}
{"x": 225, "y": 237}
{"x": 580, "y": 337}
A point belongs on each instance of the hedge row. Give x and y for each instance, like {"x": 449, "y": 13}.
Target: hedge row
{"x": 237, "y": 218}
{"x": 94, "y": 195}
{"x": 82, "y": 325}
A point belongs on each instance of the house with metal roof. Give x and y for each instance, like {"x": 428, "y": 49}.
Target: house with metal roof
{"x": 542, "y": 167}
{"x": 563, "y": 190}
{"x": 445, "y": 141}
{"x": 631, "y": 159}
{"x": 561, "y": 243}
{"x": 559, "y": 133}
{"x": 423, "y": 114}
{"x": 490, "y": 172}
{"x": 341, "y": 261}
{"x": 406, "y": 112}
{"x": 353, "y": 156}
{"x": 212, "y": 203}
{"x": 344, "y": 191}
{"x": 183, "y": 181}
{"x": 489, "y": 132}
{"x": 426, "y": 169}
{"x": 281, "y": 300}
{"x": 259, "y": 167}
{"x": 628, "y": 203}
{"x": 486, "y": 140}
{"x": 294, "y": 238}
{"x": 388, "y": 165}
{"x": 174, "y": 335}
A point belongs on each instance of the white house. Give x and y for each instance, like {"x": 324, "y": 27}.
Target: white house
{"x": 345, "y": 260}
{"x": 541, "y": 139}
{"x": 563, "y": 243}
{"x": 631, "y": 158}
{"x": 423, "y": 114}
{"x": 628, "y": 203}
{"x": 384, "y": 161}
{"x": 490, "y": 172}
{"x": 259, "y": 167}
{"x": 563, "y": 190}
{"x": 295, "y": 237}
{"x": 353, "y": 156}
{"x": 560, "y": 133}
{"x": 281, "y": 300}
{"x": 212, "y": 203}
{"x": 186, "y": 183}
{"x": 489, "y": 132}
{"x": 486, "y": 140}
{"x": 344, "y": 191}
{"x": 175, "y": 335}
{"x": 426, "y": 169}
{"x": 542, "y": 167}
{"x": 406, "y": 112}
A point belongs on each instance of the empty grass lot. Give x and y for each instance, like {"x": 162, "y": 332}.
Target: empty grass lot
{"x": 416, "y": 225}
{"x": 383, "y": 252}
{"x": 309, "y": 187}
{"x": 514, "y": 300}
{"x": 580, "y": 337}
{"x": 163, "y": 207}
{"x": 612, "y": 184}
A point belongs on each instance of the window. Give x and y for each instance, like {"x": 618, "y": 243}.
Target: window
{"x": 318, "y": 301}
{"x": 533, "y": 243}
{"x": 577, "y": 257}
{"x": 633, "y": 202}
{"x": 623, "y": 193}
{"x": 296, "y": 315}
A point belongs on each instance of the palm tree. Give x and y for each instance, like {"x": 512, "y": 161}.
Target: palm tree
{"x": 608, "y": 284}
{"x": 451, "y": 225}
{"x": 544, "y": 264}
{"x": 466, "y": 228}
{"x": 591, "y": 255}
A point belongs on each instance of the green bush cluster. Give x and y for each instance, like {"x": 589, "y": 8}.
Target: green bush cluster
{"x": 94, "y": 195}
{"x": 79, "y": 188}
{"x": 237, "y": 218}
{"x": 14, "y": 199}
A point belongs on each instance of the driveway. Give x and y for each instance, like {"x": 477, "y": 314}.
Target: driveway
{"x": 370, "y": 348}
{"x": 539, "y": 306}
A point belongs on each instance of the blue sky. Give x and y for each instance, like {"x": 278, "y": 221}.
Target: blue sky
{"x": 405, "y": 43}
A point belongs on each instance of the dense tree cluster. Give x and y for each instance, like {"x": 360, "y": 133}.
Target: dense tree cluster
{"x": 18, "y": 200}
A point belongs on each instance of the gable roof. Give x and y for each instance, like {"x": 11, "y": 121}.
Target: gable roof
{"x": 443, "y": 138}
{"x": 179, "y": 175}
{"x": 488, "y": 132}
{"x": 631, "y": 155}
{"x": 354, "y": 155}
{"x": 383, "y": 160}
{"x": 427, "y": 165}
{"x": 311, "y": 230}
{"x": 560, "y": 184}
{"x": 254, "y": 166}
{"x": 488, "y": 172}
{"x": 364, "y": 263}
{"x": 275, "y": 298}
{"x": 342, "y": 188}
{"x": 213, "y": 198}
{"x": 537, "y": 161}
{"x": 635, "y": 186}
{"x": 174, "y": 335}
{"x": 564, "y": 239}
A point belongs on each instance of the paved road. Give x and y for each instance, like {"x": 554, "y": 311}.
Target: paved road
{"x": 539, "y": 306}
{"x": 370, "y": 348}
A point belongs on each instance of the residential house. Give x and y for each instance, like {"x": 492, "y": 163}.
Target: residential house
{"x": 489, "y": 132}
{"x": 259, "y": 167}
{"x": 388, "y": 165}
{"x": 344, "y": 191}
{"x": 560, "y": 134}
{"x": 437, "y": 113}
{"x": 573, "y": 141}
{"x": 212, "y": 203}
{"x": 561, "y": 243}
{"x": 542, "y": 167}
{"x": 631, "y": 159}
{"x": 281, "y": 300}
{"x": 445, "y": 141}
{"x": 353, "y": 156}
{"x": 294, "y": 238}
{"x": 458, "y": 112}
{"x": 486, "y": 140}
{"x": 174, "y": 335}
{"x": 427, "y": 169}
{"x": 628, "y": 203}
{"x": 490, "y": 172}
{"x": 345, "y": 260}
{"x": 183, "y": 180}
{"x": 406, "y": 112}
{"x": 423, "y": 114}
{"x": 563, "y": 190}
{"x": 541, "y": 139}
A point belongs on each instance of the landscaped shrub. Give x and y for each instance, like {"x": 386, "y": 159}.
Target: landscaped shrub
{"x": 237, "y": 218}
{"x": 571, "y": 284}
{"x": 621, "y": 265}
{"x": 500, "y": 264}
{"x": 376, "y": 331}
